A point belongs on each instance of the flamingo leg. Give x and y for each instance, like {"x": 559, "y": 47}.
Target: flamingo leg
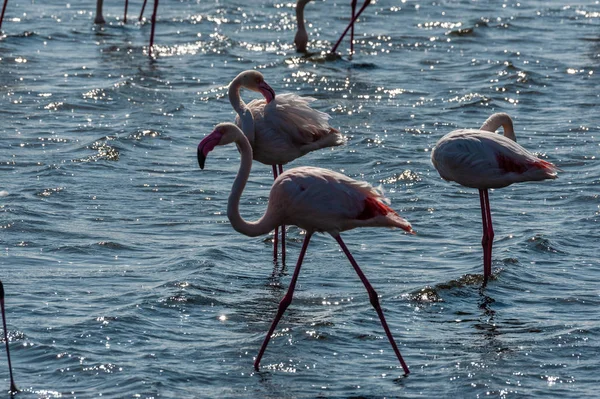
{"x": 3, "y": 10}
{"x": 152, "y": 28}
{"x": 125, "y": 13}
{"x": 350, "y": 25}
{"x": 282, "y": 230}
{"x": 276, "y": 234}
{"x": 285, "y": 302}
{"x": 142, "y": 12}
{"x": 13, "y": 386}
{"x": 374, "y": 298}
{"x": 352, "y": 29}
{"x": 488, "y": 233}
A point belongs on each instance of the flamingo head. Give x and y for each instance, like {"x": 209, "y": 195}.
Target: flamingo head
{"x": 223, "y": 134}
{"x": 255, "y": 81}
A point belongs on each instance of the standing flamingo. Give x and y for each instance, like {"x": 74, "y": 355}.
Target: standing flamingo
{"x": 314, "y": 199}
{"x": 482, "y": 159}
{"x": 284, "y": 127}
{"x": 301, "y": 38}
{"x": 13, "y": 386}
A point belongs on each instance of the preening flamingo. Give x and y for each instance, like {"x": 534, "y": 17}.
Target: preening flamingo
{"x": 301, "y": 38}
{"x": 314, "y": 199}
{"x": 482, "y": 159}
{"x": 284, "y": 127}
{"x": 13, "y": 386}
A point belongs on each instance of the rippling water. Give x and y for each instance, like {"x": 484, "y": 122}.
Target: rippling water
{"x": 125, "y": 279}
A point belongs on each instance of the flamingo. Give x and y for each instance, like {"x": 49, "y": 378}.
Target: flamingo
{"x": 280, "y": 129}
{"x": 314, "y": 199}
{"x": 482, "y": 159}
{"x": 13, "y": 386}
{"x": 301, "y": 38}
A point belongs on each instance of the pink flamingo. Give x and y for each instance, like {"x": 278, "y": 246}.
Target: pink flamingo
{"x": 314, "y": 199}
{"x": 301, "y": 38}
{"x": 13, "y": 386}
{"x": 482, "y": 159}
{"x": 280, "y": 129}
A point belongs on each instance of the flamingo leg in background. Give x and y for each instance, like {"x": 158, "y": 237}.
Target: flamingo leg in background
{"x": 374, "y": 299}
{"x": 285, "y": 302}
{"x": 350, "y": 25}
{"x": 13, "y": 387}
{"x": 282, "y": 230}
{"x": 142, "y": 12}
{"x": 152, "y": 29}
{"x": 125, "y": 12}
{"x": 354, "y": 2}
{"x": 2, "y": 15}
{"x": 488, "y": 233}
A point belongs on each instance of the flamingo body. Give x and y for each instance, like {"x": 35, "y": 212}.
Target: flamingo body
{"x": 287, "y": 128}
{"x": 314, "y": 199}
{"x": 321, "y": 200}
{"x": 482, "y": 159}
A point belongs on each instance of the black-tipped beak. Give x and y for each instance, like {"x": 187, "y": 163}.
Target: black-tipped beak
{"x": 201, "y": 157}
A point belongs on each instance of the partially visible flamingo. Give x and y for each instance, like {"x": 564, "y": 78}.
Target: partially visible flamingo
{"x": 100, "y": 18}
{"x": 301, "y": 38}
{"x": 482, "y": 159}
{"x": 284, "y": 127}
{"x": 13, "y": 386}
{"x": 314, "y": 199}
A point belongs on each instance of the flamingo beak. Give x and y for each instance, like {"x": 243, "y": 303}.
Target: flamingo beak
{"x": 207, "y": 145}
{"x": 267, "y": 92}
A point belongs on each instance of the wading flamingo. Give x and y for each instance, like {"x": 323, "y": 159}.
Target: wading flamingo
{"x": 301, "y": 38}
{"x": 483, "y": 159}
{"x": 314, "y": 199}
{"x": 13, "y": 386}
{"x": 285, "y": 127}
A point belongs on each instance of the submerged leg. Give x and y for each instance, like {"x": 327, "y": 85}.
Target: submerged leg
{"x": 282, "y": 230}
{"x": 488, "y": 234}
{"x": 367, "y": 2}
{"x": 373, "y": 297}
{"x": 13, "y": 387}
{"x": 285, "y": 302}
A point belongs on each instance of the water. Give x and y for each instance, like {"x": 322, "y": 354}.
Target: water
{"x": 125, "y": 279}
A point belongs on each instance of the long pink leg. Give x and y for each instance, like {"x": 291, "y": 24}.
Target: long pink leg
{"x": 374, "y": 298}
{"x": 488, "y": 233}
{"x": 142, "y": 12}
{"x": 152, "y": 28}
{"x": 285, "y": 302}
{"x": 125, "y": 13}
{"x": 2, "y": 15}
{"x": 13, "y": 387}
{"x": 282, "y": 230}
{"x": 275, "y": 241}
{"x": 350, "y": 25}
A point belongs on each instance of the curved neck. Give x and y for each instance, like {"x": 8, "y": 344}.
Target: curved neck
{"x": 500, "y": 119}
{"x": 234, "y": 96}
{"x": 263, "y": 225}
